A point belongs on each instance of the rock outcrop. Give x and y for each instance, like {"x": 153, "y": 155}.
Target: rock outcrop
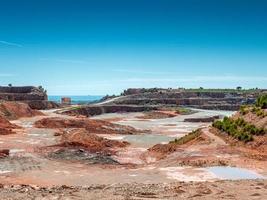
{"x": 92, "y": 142}
{"x": 204, "y": 99}
{"x": 14, "y": 110}
{"x": 35, "y": 97}
{"x": 25, "y": 93}
{"x": 6, "y": 127}
{"x": 101, "y": 109}
{"x": 43, "y": 105}
{"x": 4, "y": 153}
{"x": 203, "y": 119}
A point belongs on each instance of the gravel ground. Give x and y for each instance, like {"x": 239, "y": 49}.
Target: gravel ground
{"x": 245, "y": 189}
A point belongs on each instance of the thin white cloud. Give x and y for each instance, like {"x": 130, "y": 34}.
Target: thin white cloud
{"x": 10, "y": 43}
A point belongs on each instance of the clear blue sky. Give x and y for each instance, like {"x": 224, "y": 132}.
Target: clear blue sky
{"x": 83, "y": 47}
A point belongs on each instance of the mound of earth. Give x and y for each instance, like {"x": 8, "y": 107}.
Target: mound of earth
{"x": 203, "y": 119}
{"x": 249, "y": 120}
{"x": 43, "y": 105}
{"x": 92, "y": 142}
{"x": 157, "y": 115}
{"x": 162, "y": 150}
{"x": 93, "y": 126}
{"x": 4, "y": 153}
{"x": 253, "y": 118}
{"x": 15, "y": 110}
{"x": 6, "y": 127}
{"x": 4, "y": 123}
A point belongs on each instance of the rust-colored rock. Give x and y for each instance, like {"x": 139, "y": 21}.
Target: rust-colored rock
{"x": 4, "y": 123}
{"x": 23, "y": 93}
{"x": 14, "y": 110}
{"x": 202, "y": 119}
{"x": 4, "y": 153}
{"x": 93, "y": 126}
{"x": 6, "y": 127}
{"x": 92, "y": 142}
{"x": 42, "y": 105}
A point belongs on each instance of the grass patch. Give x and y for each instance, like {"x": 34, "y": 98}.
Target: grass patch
{"x": 259, "y": 111}
{"x": 184, "y": 111}
{"x": 187, "y": 138}
{"x": 262, "y": 101}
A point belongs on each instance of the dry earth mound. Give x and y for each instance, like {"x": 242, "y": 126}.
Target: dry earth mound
{"x": 162, "y": 150}
{"x": 6, "y": 127}
{"x": 15, "y": 110}
{"x": 158, "y": 115}
{"x": 92, "y": 142}
{"x": 93, "y": 126}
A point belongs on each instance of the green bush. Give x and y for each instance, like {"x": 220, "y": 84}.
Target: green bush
{"x": 238, "y": 128}
{"x": 244, "y": 110}
{"x": 258, "y": 111}
{"x": 262, "y": 101}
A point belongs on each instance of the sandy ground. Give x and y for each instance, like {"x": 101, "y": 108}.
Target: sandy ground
{"x": 245, "y": 190}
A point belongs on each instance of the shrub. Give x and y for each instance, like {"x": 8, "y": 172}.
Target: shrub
{"x": 244, "y": 110}
{"x": 262, "y": 101}
{"x": 258, "y": 111}
{"x": 240, "y": 122}
{"x": 217, "y": 124}
{"x": 238, "y": 128}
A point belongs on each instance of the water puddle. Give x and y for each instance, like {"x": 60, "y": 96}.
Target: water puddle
{"x": 147, "y": 141}
{"x": 187, "y": 174}
{"x": 4, "y": 171}
{"x": 234, "y": 173}
{"x": 12, "y": 152}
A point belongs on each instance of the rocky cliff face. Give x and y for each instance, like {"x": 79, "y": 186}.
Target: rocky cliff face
{"x": 101, "y": 109}
{"x": 35, "y": 97}
{"x": 25, "y": 93}
{"x": 198, "y": 99}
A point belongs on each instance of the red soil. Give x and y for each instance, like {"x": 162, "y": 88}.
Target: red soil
{"x": 162, "y": 150}
{"x": 252, "y": 118}
{"x": 93, "y": 126}
{"x": 92, "y": 142}
{"x": 15, "y": 110}
{"x": 4, "y": 123}
{"x": 6, "y": 127}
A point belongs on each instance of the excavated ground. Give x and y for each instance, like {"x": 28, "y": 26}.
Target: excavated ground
{"x": 110, "y": 151}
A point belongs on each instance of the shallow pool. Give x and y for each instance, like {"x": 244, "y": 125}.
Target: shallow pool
{"x": 147, "y": 140}
{"x": 234, "y": 173}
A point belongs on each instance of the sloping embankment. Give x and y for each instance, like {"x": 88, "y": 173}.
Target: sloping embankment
{"x": 101, "y": 109}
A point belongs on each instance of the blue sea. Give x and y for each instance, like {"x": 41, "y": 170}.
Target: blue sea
{"x": 76, "y": 99}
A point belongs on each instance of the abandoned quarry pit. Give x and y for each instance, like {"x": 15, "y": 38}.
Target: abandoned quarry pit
{"x": 63, "y": 153}
{"x": 38, "y": 155}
